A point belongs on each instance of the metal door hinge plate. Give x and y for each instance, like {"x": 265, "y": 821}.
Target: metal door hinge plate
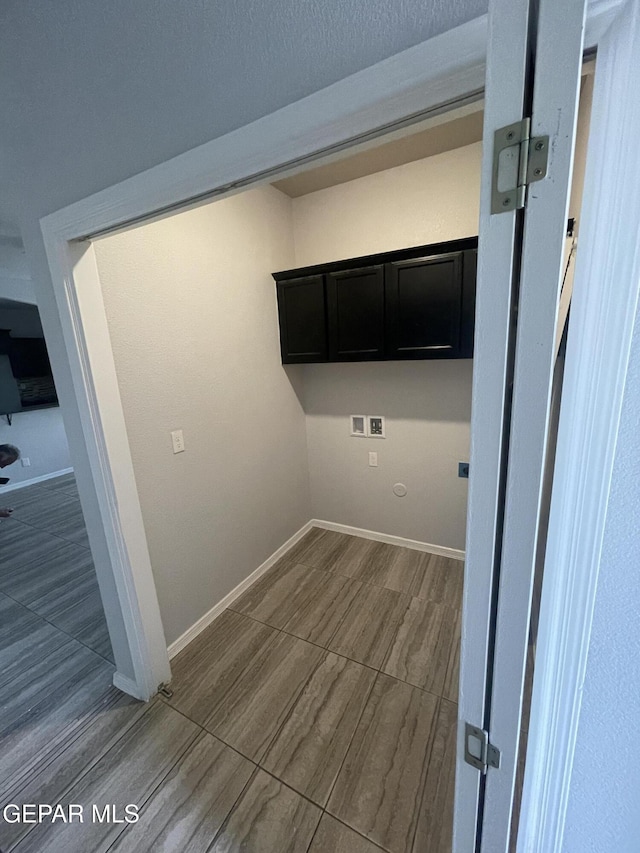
{"x": 478, "y": 751}
{"x": 518, "y": 160}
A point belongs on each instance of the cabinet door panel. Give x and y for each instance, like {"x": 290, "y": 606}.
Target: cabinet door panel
{"x": 355, "y": 300}
{"x": 424, "y": 307}
{"x": 303, "y": 319}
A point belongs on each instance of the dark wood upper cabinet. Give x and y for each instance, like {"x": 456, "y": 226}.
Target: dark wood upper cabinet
{"x": 411, "y": 304}
{"x": 355, "y": 312}
{"x": 424, "y": 307}
{"x": 303, "y": 319}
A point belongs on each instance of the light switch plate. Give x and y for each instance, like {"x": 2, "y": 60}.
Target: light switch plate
{"x": 177, "y": 441}
{"x": 373, "y": 459}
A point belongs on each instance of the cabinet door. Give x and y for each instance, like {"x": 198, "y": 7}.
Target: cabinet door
{"x": 424, "y": 301}
{"x": 303, "y": 319}
{"x": 355, "y": 301}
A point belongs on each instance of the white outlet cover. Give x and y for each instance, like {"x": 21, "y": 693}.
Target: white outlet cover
{"x": 358, "y": 425}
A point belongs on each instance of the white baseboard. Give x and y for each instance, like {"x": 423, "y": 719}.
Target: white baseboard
{"x": 34, "y": 480}
{"x": 440, "y": 550}
{"x": 128, "y": 686}
{"x": 204, "y": 621}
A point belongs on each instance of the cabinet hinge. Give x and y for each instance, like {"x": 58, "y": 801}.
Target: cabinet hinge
{"x": 479, "y": 752}
{"x": 518, "y": 160}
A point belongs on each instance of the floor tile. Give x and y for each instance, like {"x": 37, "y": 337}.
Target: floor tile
{"x": 20, "y": 630}
{"x": 440, "y": 579}
{"x": 39, "y": 764}
{"x": 188, "y": 809}
{"x": 66, "y": 483}
{"x": 357, "y": 557}
{"x": 452, "y": 677}
{"x": 319, "y": 617}
{"x": 421, "y": 647}
{"x": 369, "y": 625}
{"x": 379, "y": 788}
{"x": 22, "y": 544}
{"x": 309, "y": 749}
{"x": 77, "y": 609}
{"x": 127, "y": 773}
{"x": 323, "y": 549}
{"x": 275, "y": 597}
{"x": 393, "y": 567}
{"x": 248, "y": 715}
{"x": 334, "y": 837}
{"x": 303, "y": 545}
{"x": 435, "y": 822}
{"x": 268, "y": 818}
{"x": 54, "y": 512}
{"x": 208, "y": 667}
{"x": 26, "y": 700}
{"x": 47, "y": 575}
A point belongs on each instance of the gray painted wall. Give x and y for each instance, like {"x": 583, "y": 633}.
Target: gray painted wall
{"x": 427, "y": 404}
{"x": 192, "y": 315}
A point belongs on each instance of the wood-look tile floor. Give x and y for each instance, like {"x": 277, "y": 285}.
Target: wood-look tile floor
{"x": 319, "y": 714}
{"x": 46, "y": 564}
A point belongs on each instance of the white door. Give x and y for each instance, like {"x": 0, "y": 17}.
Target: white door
{"x": 533, "y": 70}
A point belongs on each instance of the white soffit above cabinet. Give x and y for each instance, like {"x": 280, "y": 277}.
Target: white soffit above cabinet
{"x": 444, "y": 132}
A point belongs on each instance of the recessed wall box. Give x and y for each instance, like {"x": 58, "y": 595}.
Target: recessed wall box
{"x": 358, "y": 425}
{"x": 375, "y": 426}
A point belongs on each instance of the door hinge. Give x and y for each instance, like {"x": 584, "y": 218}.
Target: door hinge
{"x": 479, "y": 752}
{"x": 518, "y": 160}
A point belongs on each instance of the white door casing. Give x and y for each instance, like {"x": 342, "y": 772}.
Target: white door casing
{"x": 424, "y": 80}
{"x": 556, "y": 85}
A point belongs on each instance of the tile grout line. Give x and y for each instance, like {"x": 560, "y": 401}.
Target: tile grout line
{"x": 340, "y": 655}
{"x": 159, "y": 784}
{"x": 62, "y": 631}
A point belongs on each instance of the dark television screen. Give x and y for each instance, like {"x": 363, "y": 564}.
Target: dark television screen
{"x": 26, "y": 381}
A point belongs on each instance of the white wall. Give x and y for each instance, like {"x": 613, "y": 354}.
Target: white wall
{"x": 427, "y": 404}
{"x": 427, "y": 407}
{"x": 603, "y": 811}
{"x": 192, "y": 315}
{"x": 41, "y": 437}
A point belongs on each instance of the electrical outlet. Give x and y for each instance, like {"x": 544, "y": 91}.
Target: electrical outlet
{"x": 463, "y": 470}
{"x": 26, "y": 462}
{"x": 373, "y": 459}
{"x": 177, "y": 440}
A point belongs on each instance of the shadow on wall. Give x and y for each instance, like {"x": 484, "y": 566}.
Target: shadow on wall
{"x": 438, "y": 390}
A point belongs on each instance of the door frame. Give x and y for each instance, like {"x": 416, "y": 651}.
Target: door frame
{"x": 422, "y": 81}
{"x": 425, "y": 79}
